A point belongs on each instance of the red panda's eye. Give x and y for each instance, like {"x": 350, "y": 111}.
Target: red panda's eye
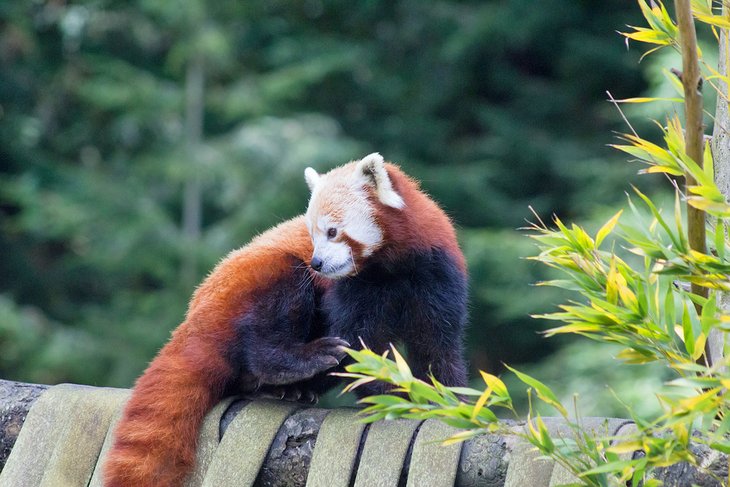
{"x": 331, "y": 232}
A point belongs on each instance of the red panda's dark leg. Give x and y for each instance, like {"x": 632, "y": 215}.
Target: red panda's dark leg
{"x": 445, "y": 363}
{"x": 295, "y": 362}
{"x": 273, "y": 336}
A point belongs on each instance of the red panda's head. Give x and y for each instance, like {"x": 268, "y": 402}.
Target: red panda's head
{"x": 341, "y": 216}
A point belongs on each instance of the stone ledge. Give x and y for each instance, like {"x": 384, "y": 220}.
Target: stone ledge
{"x": 292, "y": 451}
{"x": 16, "y": 398}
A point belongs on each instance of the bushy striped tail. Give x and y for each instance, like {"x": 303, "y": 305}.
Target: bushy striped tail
{"x": 156, "y": 439}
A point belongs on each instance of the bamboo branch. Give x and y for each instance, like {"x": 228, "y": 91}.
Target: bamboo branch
{"x": 693, "y": 135}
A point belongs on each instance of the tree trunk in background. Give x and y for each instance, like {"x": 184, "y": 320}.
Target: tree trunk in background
{"x": 721, "y": 157}
{"x": 192, "y": 192}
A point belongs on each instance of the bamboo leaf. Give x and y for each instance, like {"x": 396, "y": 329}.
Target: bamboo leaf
{"x": 649, "y": 36}
{"x": 465, "y": 391}
{"x": 632, "y": 356}
{"x": 643, "y": 99}
{"x": 721, "y": 447}
{"x": 720, "y": 210}
{"x": 543, "y": 391}
{"x": 561, "y": 283}
{"x": 609, "y": 467}
{"x": 709, "y": 311}
{"x": 707, "y": 163}
{"x": 720, "y": 239}
{"x": 480, "y": 403}
{"x": 495, "y": 383}
{"x": 669, "y": 310}
{"x": 675, "y": 240}
{"x": 578, "y": 328}
{"x": 625, "y": 447}
{"x": 687, "y": 332}
{"x": 545, "y": 440}
{"x": 354, "y": 385}
{"x": 702, "y": 402}
{"x": 420, "y": 391}
{"x": 461, "y": 436}
{"x": 701, "y": 7}
{"x": 662, "y": 169}
{"x": 699, "y": 346}
{"x": 607, "y": 228}
{"x": 716, "y": 20}
{"x": 674, "y": 82}
{"x": 403, "y": 368}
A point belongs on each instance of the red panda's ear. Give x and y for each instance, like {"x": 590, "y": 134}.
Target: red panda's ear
{"x": 311, "y": 176}
{"x": 372, "y": 168}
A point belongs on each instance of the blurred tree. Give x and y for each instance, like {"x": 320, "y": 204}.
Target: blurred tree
{"x": 493, "y": 105}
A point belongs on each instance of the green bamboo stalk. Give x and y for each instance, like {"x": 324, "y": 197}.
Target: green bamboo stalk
{"x": 693, "y": 126}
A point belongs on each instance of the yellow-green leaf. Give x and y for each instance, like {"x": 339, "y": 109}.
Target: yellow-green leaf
{"x": 707, "y": 163}
{"x": 574, "y": 328}
{"x": 543, "y": 391}
{"x": 662, "y": 169}
{"x": 495, "y": 383}
{"x": 674, "y": 82}
{"x": 402, "y": 365}
{"x": 631, "y": 356}
{"x": 711, "y": 207}
{"x": 699, "y": 346}
{"x": 607, "y": 228}
{"x": 649, "y": 36}
{"x": 480, "y": 403}
{"x": 460, "y": 437}
{"x": 716, "y": 20}
{"x": 702, "y": 402}
{"x": 688, "y": 332}
{"x": 625, "y": 447}
{"x": 646, "y": 99}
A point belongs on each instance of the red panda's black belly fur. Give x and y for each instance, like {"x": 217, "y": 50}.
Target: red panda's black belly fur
{"x": 419, "y": 300}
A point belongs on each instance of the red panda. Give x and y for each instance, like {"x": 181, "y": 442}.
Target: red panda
{"x": 398, "y": 274}
{"x": 247, "y": 324}
{"x": 374, "y": 258}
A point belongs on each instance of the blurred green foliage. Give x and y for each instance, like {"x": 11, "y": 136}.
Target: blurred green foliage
{"x": 494, "y": 106}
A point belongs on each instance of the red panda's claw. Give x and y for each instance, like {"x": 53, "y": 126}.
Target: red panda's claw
{"x": 309, "y": 397}
{"x": 331, "y": 361}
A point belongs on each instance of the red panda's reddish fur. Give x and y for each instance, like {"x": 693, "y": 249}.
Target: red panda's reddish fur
{"x": 420, "y": 224}
{"x": 155, "y": 440}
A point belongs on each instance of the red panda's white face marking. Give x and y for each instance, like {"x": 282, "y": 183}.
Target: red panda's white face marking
{"x": 340, "y": 217}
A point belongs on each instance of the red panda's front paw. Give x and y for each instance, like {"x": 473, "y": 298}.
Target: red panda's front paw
{"x": 325, "y": 353}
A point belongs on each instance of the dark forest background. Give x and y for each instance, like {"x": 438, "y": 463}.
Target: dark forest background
{"x": 142, "y": 140}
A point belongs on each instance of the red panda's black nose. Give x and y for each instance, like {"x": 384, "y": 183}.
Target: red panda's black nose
{"x": 316, "y": 263}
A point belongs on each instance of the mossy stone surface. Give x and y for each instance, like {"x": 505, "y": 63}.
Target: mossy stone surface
{"x": 433, "y": 464}
{"x": 62, "y": 437}
{"x": 335, "y": 450}
{"x": 238, "y": 458}
{"x": 384, "y": 453}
